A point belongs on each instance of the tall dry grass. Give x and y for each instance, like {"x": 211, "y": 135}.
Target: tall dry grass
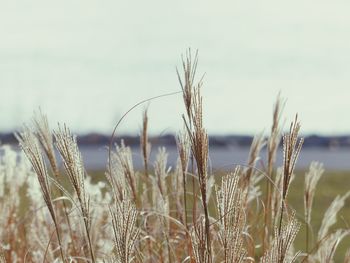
{"x": 185, "y": 214}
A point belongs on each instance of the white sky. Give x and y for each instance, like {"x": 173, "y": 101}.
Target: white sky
{"x": 86, "y": 62}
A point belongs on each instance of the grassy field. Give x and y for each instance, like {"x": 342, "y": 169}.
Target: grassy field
{"x": 331, "y": 184}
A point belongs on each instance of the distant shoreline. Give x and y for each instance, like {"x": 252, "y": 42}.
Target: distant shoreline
{"x": 225, "y": 141}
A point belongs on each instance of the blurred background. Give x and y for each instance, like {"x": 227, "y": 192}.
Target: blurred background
{"x": 85, "y": 63}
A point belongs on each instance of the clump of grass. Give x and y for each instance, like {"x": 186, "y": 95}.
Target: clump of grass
{"x": 279, "y": 251}
{"x": 124, "y": 216}
{"x": 68, "y": 148}
{"x": 311, "y": 179}
{"x": 30, "y": 146}
{"x": 160, "y": 214}
{"x": 232, "y": 218}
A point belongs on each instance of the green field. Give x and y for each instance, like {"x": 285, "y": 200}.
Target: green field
{"x": 331, "y": 184}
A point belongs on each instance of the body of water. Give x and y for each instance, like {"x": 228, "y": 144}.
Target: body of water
{"x": 95, "y": 158}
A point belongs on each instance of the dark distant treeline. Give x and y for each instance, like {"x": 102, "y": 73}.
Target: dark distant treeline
{"x": 215, "y": 140}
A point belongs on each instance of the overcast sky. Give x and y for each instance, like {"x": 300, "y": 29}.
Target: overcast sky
{"x": 86, "y": 62}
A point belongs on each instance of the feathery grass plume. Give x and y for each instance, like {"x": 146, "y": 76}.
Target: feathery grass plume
{"x": 282, "y": 243}
{"x": 275, "y": 206}
{"x": 175, "y": 195}
{"x": 330, "y": 216}
{"x": 183, "y": 147}
{"x": 116, "y": 178}
{"x": 160, "y": 171}
{"x": 67, "y": 146}
{"x": 145, "y": 153}
{"x": 187, "y": 83}
{"x": 199, "y": 242}
{"x": 31, "y": 148}
{"x": 197, "y": 134}
{"x": 311, "y": 179}
{"x": 199, "y": 148}
{"x": 275, "y": 134}
{"x": 198, "y": 138}
{"x": 326, "y": 251}
{"x": 257, "y": 144}
{"x": 123, "y": 166}
{"x": 43, "y": 133}
{"x": 179, "y": 183}
{"x": 291, "y": 254}
{"x": 254, "y": 192}
{"x": 144, "y": 143}
{"x": 291, "y": 150}
{"x": 161, "y": 233}
{"x": 101, "y": 232}
{"x": 231, "y": 218}
{"x": 273, "y": 143}
{"x": 161, "y": 204}
{"x": 189, "y": 68}
{"x": 176, "y": 191}
{"x": 161, "y": 200}
{"x": 124, "y": 217}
